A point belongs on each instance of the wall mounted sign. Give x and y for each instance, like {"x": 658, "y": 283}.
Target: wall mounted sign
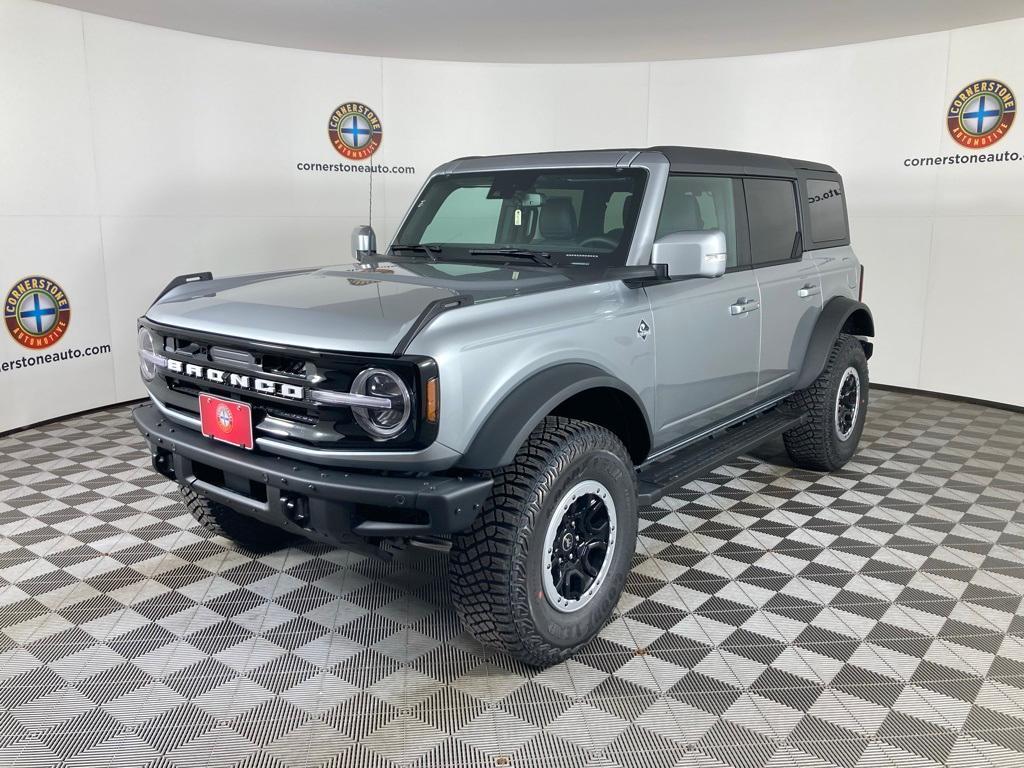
{"x": 981, "y": 114}
{"x": 355, "y": 130}
{"x": 37, "y": 312}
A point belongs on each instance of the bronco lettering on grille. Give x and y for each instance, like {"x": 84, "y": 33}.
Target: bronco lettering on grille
{"x": 264, "y": 386}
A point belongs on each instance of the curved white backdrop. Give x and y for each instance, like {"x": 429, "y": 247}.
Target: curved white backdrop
{"x": 130, "y": 154}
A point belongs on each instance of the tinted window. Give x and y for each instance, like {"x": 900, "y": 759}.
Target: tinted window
{"x": 694, "y": 203}
{"x": 771, "y": 214}
{"x": 827, "y": 214}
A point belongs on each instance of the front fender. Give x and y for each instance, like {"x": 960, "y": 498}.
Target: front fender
{"x": 510, "y": 423}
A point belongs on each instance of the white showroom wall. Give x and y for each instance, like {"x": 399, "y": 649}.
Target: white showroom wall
{"x": 130, "y": 154}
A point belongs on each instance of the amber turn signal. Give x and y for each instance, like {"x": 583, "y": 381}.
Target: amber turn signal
{"x": 432, "y": 402}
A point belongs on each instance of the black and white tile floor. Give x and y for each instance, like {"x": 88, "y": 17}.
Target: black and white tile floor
{"x": 774, "y": 617}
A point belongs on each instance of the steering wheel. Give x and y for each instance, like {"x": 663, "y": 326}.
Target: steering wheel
{"x": 599, "y": 240}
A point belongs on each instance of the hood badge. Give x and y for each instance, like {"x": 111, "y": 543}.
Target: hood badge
{"x": 643, "y": 330}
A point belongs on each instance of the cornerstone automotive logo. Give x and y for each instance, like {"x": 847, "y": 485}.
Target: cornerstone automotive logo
{"x": 37, "y": 312}
{"x": 355, "y": 130}
{"x": 224, "y": 418}
{"x": 981, "y": 114}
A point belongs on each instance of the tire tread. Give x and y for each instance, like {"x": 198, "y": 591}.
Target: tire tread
{"x": 810, "y": 445}
{"x": 220, "y": 520}
{"x": 488, "y": 579}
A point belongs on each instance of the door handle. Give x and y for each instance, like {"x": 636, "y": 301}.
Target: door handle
{"x": 809, "y": 290}
{"x": 743, "y": 306}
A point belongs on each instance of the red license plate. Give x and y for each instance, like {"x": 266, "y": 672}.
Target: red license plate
{"x": 226, "y": 420}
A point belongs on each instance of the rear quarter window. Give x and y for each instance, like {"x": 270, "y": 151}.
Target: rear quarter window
{"x": 826, "y": 210}
{"x": 772, "y": 220}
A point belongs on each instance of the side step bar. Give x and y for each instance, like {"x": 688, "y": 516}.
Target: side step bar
{"x": 693, "y": 461}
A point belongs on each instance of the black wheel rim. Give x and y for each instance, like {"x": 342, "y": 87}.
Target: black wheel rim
{"x": 847, "y": 403}
{"x": 578, "y": 546}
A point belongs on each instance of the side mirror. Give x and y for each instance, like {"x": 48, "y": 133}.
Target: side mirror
{"x": 692, "y": 254}
{"x": 364, "y": 243}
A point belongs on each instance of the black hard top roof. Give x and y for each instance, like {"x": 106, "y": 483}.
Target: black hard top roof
{"x": 681, "y": 159}
{"x": 686, "y": 158}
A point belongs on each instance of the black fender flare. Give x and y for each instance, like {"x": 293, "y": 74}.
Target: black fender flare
{"x": 510, "y": 423}
{"x": 839, "y": 314}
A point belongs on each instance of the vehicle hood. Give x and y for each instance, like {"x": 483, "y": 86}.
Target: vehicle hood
{"x": 343, "y": 308}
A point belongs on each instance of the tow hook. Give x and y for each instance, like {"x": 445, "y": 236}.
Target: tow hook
{"x": 295, "y": 509}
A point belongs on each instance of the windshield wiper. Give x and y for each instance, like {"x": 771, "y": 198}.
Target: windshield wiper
{"x": 540, "y": 257}
{"x": 428, "y": 249}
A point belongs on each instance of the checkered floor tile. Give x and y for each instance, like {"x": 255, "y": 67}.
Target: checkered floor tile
{"x": 773, "y": 618}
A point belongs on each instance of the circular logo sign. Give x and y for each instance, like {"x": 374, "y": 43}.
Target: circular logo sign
{"x": 355, "y": 130}
{"x": 37, "y": 312}
{"x": 981, "y": 114}
{"x": 225, "y": 418}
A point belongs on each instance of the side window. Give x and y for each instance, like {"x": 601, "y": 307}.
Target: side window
{"x": 826, "y": 210}
{"x": 699, "y": 203}
{"x": 465, "y": 216}
{"x": 771, "y": 215}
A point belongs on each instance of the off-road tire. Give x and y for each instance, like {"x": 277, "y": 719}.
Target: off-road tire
{"x": 220, "y": 520}
{"x": 495, "y": 568}
{"x": 816, "y": 444}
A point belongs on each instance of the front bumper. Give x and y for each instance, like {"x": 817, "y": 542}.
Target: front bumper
{"x": 328, "y": 504}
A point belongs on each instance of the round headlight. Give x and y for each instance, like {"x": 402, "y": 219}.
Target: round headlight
{"x": 382, "y": 423}
{"x": 148, "y": 356}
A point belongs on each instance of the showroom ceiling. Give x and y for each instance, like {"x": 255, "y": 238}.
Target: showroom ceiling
{"x": 554, "y": 30}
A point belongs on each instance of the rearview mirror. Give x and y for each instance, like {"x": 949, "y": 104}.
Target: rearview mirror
{"x": 692, "y": 254}
{"x": 364, "y": 243}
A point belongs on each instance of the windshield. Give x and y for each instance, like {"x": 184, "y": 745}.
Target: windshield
{"x": 574, "y": 218}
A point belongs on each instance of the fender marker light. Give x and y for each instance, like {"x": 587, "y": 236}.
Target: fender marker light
{"x": 432, "y": 403}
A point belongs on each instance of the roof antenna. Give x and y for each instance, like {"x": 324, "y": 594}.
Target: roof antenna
{"x": 369, "y": 215}
{"x": 364, "y": 241}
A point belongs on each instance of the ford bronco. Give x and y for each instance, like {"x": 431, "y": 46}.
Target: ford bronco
{"x": 549, "y": 342}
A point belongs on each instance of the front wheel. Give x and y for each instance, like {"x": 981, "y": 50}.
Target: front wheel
{"x": 836, "y": 404}
{"x": 540, "y": 570}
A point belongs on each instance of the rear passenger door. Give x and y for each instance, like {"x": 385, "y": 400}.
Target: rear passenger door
{"x": 790, "y": 286}
{"x": 706, "y": 330}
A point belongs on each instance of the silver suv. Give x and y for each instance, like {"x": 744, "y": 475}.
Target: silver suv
{"x": 550, "y": 341}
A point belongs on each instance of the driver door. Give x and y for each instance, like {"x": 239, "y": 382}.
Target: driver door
{"x": 707, "y": 331}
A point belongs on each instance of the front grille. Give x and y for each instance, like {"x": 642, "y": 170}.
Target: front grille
{"x": 297, "y": 414}
{"x": 177, "y": 385}
{"x": 282, "y": 418}
{"x": 182, "y": 346}
{"x": 283, "y": 366}
{"x": 291, "y": 414}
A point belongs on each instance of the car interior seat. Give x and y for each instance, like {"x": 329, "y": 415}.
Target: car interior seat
{"x": 630, "y": 206}
{"x": 557, "y": 220}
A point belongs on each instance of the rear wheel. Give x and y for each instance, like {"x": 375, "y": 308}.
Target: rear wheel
{"x": 223, "y": 521}
{"x": 541, "y": 569}
{"x": 837, "y": 404}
